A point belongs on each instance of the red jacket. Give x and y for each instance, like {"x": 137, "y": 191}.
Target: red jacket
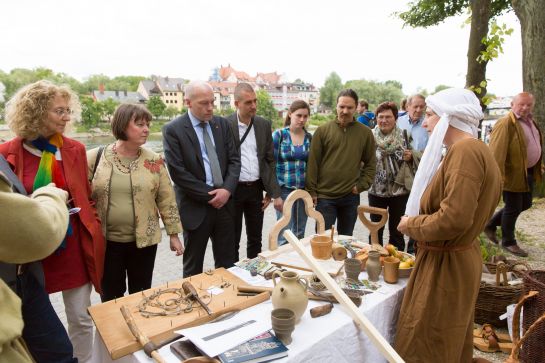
{"x": 75, "y": 169}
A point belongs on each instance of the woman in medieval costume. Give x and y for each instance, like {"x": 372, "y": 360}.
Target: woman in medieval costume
{"x": 450, "y": 203}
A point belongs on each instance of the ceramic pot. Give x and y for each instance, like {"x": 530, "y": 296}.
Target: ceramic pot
{"x": 373, "y": 266}
{"x": 321, "y": 247}
{"x": 283, "y": 324}
{"x": 391, "y": 269}
{"x": 290, "y": 293}
{"x": 352, "y": 268}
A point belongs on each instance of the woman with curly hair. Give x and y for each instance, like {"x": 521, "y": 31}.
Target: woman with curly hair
{"x": 40, "y": 154}
{"x": 130, "y": 184}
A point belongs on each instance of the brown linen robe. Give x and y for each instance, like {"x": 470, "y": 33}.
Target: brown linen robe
{"x": 436, "y": 319}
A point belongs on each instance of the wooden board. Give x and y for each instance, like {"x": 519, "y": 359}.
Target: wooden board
{"x": 118, "y": 338}
{"x": 286, "y": 256}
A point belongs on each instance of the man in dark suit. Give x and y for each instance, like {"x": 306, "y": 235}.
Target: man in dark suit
{"x": 253, "y": 137}
{"x": 204, "y": 165}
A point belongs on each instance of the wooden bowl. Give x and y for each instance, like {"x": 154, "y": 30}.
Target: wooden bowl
{"x": 406, "y": 272}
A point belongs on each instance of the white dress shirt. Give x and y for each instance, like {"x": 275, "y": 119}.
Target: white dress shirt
{"x": 249, "y": 170}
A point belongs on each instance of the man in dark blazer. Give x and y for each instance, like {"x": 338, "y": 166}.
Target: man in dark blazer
{"x": 205, "y": 170}
{"x": 253, "y": 139}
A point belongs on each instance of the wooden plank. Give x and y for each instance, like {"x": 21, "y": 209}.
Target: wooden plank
{"x": 363, "y": 323}
{"x": 119, "y": 340}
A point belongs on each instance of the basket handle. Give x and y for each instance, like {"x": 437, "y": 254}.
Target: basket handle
{"x": 517, "y": 341}
{"x": 501, "y": 267}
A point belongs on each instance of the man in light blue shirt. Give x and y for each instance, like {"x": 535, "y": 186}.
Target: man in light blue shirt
{"x": 412, "y": 121}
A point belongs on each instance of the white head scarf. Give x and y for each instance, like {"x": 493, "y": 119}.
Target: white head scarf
{"x": 457, "y": 107}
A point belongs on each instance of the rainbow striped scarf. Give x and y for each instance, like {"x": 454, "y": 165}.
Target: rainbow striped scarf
{"x": 49, "y": 170}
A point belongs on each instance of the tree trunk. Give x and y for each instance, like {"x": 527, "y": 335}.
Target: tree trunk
{"x": 476, "y": 72}
{"x": 531, "y": 15}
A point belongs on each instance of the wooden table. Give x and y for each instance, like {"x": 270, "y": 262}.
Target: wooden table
{"x": 332, "y": 338}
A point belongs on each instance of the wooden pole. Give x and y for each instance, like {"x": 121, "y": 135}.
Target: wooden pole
{"x": 142, "y": 339}
{"x": 363, "y": 323}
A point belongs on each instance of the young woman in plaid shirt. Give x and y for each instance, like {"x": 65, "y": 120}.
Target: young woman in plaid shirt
{"x": 291, "y": 147}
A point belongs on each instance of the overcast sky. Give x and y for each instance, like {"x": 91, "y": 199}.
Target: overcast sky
{"x": 305, "y": 39}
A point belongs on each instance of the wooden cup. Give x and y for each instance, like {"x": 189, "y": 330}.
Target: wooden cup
{"x": 391, "y": 269}
{"x": 321, "y": 247}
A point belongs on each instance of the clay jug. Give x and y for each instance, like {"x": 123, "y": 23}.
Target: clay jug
{"x": 373, "y": 266}
{"x": 290, "y": 293}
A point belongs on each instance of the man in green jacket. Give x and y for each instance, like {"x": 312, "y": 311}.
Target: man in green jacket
{"x": 341, "y": 165}
{"x": 515, "y": 142}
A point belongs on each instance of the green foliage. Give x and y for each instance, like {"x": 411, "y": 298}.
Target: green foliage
{"x": 156, "y": 106}
{"x": 228, "y": 111}
{"x": 171, "y": 112}
{"x": 488, "y": 250}
{"x": 440, "y": 87}
{"x": 319, "y": 119}
{"x": 119, "y": 83}
{"x": 108, "y": 107}
{"x": 425, "y": 13}
{"x": 91, "y": 111}
{"x": 375, "y": 92}
{"x": 332, "y": 86}
{"x": 265, "y": 107}
{"x": 494, "y": 42}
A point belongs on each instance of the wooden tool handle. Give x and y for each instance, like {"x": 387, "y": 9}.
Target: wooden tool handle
{"x": 142, "y": 339}
{"x": 190, "y": 289}
{"x": 321, "y": 310}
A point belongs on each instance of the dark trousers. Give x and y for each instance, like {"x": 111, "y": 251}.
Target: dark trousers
{"x": 124, "y": 261}
{"x": 43, "y": 332}
{"x": 343, "y": 210}
{"x": 515, "y": 204}
{"x": 218, "y": 225}
{"x": 248, "y": 202}
{"x": 396, "y": 208}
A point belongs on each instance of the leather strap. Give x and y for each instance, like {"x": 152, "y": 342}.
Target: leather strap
{"x": 429, "y": 247}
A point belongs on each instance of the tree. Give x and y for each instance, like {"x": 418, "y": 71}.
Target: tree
{"x": 440, "y": 87}
{"x": 425, "y": 13}
{"x": 171, "y": 112}
{"x": 376, "y": 92}
{"x": 532, "y": 25}
{"x": 265, "y": 107}
{"x": 91, "y": 111}
{"x": 108, "y": 107}
{"x": 156, "y": 106}
{"x": 328, "y": 93}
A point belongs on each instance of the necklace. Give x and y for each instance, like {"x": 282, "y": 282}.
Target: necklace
{"x": 125, "y": 169}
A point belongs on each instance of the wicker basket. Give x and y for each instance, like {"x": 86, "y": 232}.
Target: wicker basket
{"x": 512, "y": 266}
{"x": 532, "y": 350}
{"x": 529, "y": 334}
{"x": 493, "y": 299}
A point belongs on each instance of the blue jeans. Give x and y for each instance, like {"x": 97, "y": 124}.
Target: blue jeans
{"x": 344, "y": 210}
{"x": 298, "y": 220}
{"x": 43, "y": 332}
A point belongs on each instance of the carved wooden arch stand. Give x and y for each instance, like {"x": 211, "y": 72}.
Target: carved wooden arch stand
{"x": 286, "y": 216}
{"x": 373, "y": 227}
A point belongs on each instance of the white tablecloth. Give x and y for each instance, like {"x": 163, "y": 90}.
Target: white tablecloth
{"x": 331, "y": 338}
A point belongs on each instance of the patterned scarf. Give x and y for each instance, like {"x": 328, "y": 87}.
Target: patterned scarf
{"x": 49, "y": 170}
{"x": 389, "y": 143}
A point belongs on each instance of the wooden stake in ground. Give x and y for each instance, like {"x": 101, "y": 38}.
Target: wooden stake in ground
{"x": 148, "y": 345}
{"x": 363, "y": 323}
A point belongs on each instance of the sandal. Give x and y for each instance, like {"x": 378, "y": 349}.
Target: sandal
{"x": 489, "y": 343}
{"x": 488, "y": 329}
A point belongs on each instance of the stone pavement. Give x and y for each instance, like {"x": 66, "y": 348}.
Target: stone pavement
{"x": 168, "y": 267}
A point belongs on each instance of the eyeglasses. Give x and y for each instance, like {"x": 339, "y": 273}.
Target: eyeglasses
{"x": 61, "y": 112}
